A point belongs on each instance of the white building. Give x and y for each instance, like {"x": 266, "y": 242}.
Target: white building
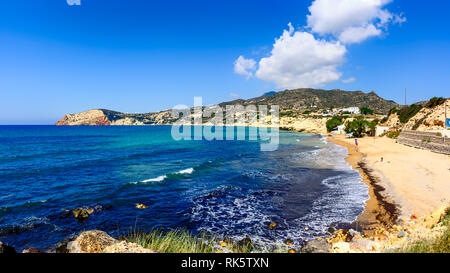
{"x": 339, "y": 130}
{"x": 379, "y": 130}
{"x": 352, "y": 110}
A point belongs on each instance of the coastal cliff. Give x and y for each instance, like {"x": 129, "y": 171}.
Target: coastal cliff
{"x": 100, "y": 117}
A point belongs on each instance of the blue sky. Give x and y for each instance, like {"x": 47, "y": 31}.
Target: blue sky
{"x": 144, "y": 56}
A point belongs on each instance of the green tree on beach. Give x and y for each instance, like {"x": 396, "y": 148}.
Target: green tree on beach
{"x": 334, "y": 122}
{"x": 357, "y": 126}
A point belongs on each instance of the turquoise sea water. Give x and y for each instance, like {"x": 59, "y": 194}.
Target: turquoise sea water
{"x": 230, "y": 188}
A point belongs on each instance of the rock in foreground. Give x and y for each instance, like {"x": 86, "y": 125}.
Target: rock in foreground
{"x": 96, "y": 241}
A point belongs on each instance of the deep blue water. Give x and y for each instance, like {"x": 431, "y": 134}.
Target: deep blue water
{"x": 227, "y": 187}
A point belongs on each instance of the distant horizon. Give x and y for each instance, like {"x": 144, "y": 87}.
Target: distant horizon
{"x": 53, "y": 123}
{"x": 277, "y": 91}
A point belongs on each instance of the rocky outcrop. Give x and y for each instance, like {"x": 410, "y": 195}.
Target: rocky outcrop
{"x": 428, "y": 119}
{"x": 91, "y": 117}
{"x": 125, "y": 247}
{"x": 391, "y": 239}
{"x": 96, "y": 241}
{"x": 99, "y": 117}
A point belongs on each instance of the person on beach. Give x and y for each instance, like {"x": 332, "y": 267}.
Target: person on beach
{"x": 356, "y": 142}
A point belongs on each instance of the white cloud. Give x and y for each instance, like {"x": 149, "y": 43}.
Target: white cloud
{"x": 349, "y": 80}
{"x": 244, "y": 67}
{"x": 351, "y": 21}
{"x": 353, "y": 35}
{"x": 74, "y": 2}
{"x": 311, "y": 57}
{"x": 298, "y": 59}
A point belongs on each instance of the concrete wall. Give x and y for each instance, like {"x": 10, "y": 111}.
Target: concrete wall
{"x": 425, "y": 140}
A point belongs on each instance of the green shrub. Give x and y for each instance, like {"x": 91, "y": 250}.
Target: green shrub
{"x": 334, "y": 122}
{"x": 407, "y": 112}
{"x": 366, "y": 111}
{"x": 435, "y": 102}
{"x": 182, "y": 241}
{"x": 372, "y": 127}
{"x": 173, "y": 241}
{"x": 393, "y": 134}
{"x": 393, "y": 111}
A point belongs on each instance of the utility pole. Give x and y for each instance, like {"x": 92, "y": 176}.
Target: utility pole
{"x": 405, "y": 97}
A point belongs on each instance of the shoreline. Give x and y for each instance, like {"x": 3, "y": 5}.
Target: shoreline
{"x": 379, "y": 211}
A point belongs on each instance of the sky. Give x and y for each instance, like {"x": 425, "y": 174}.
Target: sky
{"x": 68, "y": 56}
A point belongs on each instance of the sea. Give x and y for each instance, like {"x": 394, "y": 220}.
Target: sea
{"x": 229, "y": 188}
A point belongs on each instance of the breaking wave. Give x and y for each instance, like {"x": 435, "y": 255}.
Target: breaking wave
{"x": 166, "y": 176}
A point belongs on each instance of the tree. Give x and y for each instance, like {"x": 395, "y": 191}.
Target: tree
{"x": 366, "y": 111}
{"x": 333, "y": 123}
{"x": 372, "y": 127}
{"x": 357, "y": 127}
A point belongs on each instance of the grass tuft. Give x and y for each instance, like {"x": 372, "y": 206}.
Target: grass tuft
{"x": 183, "y": 241}
{"x": 174, "y": 241}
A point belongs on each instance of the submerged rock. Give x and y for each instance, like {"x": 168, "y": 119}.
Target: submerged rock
{"x": 82, "y": 213}
{"x": 141, "y": 206}
{"x": 316, "y": 246}
{"x": 6, "y": 249}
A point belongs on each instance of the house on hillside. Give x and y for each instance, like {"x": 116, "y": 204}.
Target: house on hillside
{"x": 351, "y": 110}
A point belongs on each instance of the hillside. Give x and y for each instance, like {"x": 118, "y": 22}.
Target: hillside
{"x": 419, "y": 117}
{"x": 307, "y": 99}
{"x": 293, "y": 102}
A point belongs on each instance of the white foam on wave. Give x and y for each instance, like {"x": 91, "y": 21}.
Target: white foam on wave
{"x": 187, "y": 171}
{"x": 163, "y": 177}
{"x": 329, "y": 155}
{"x": 157, "y": 179}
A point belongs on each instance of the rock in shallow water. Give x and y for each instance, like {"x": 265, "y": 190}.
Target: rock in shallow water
{"x": 81, "y": 213}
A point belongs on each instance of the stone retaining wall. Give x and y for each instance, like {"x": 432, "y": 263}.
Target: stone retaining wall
{"x": 425, "y": 140}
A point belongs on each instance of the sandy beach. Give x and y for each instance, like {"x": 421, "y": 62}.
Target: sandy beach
{"x": 408, "y": 181}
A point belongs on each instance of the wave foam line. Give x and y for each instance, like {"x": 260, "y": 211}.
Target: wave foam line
{"x": 163, "y": 177}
